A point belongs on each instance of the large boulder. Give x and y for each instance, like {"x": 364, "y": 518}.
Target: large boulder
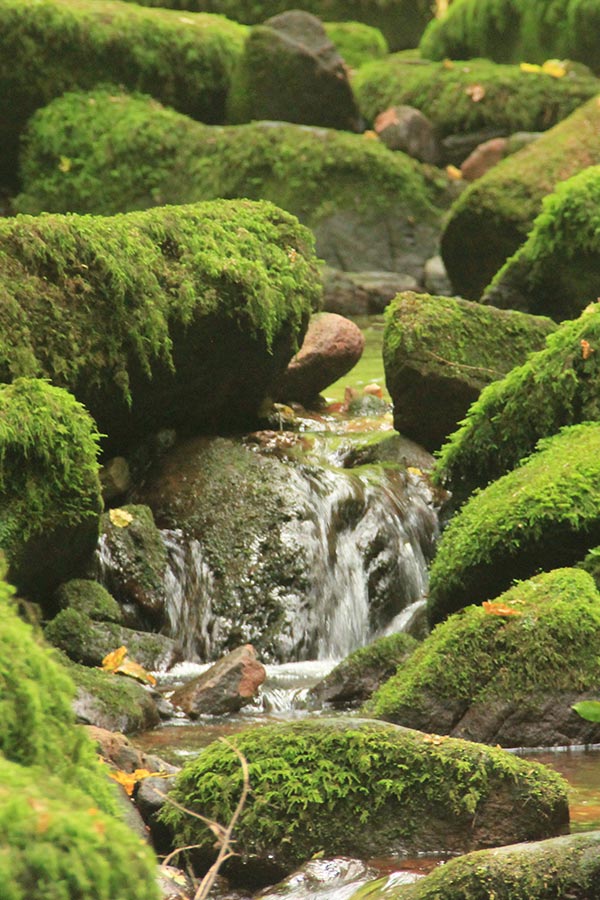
{"x": 88, "y": 597}
{"x": 110, "y": 701}
{"x": 331, "y": 348}
{"x": 290, "y": 71}
{"x": 556, "y": 271}
{"x": 186, "y": 62}
{"x": 49, "y": 487}
{"x": 358, "y": 787}
{"x": 544, "y": 514}
{"x": 471, "y": 95}
{"x": 567, "y": 866}
{"x": 189, "y": 312}
{"x": 226, "y": 687}
{"x": 507, "y": 672}
{"x": 556, "y": 386}
{"x": 130, "y": 153}
{"x": 491, "y": 219}
{"x": 440, "y": 352}
{"x": 509, "y": 31}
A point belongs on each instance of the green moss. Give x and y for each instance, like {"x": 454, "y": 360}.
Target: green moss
{"x": 549, "y": 645}
{"x": 348, "y": 786}
{"x": 38, "y": 725}
{"x": 556, "y": 386}
{"x": 516, "y": 30}
{"x": 129, "y": 152}
{"x": 491, "y": 218}
{"x": 89, "y": 597}
{"x": 556, "y": 270}
{"x": 52, "y": 46}
{"x": 545, "y": 513}
{"x": 55, "y": 845}
{"x": 48, "y": 467}
{"x": 356, "y": 42}
{"x": 591, "y": 564}
{"x": 513, "y": 100}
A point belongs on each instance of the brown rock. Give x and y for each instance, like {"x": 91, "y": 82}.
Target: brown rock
{"x": 332, "y": 346}
{"x": 231, "y": 683}
{"x": 406, "y": 128}
{"x": 119, "y": 752}
{"x": 484, "y": 157}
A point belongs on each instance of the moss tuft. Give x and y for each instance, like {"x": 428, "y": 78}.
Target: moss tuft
{"x": 89, "y": 597}
{"x": 356, "y": 42}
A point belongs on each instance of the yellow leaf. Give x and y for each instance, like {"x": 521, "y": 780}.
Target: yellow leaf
{"x": 114, "y": 659}
{"x": 129, "y": 779}
{"x": 120, "y": 517}
{"x": 64, "y": 164}
{"x": 530, "y": 67}
{"x": 134, "y": 670}
{"x": 476, "y": 92}
{"x": 453, "y": 173}
{"x": 448, "y": 64}
{"x": 500, "y": 609}
{"x": 586, "y": 349}
{"x": 370, "y": 135}
{"x": 412, "y": 470}
{"x": 555, "y": 67}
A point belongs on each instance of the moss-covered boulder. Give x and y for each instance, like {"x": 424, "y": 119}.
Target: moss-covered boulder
{"x": 544, "y": 514}
{"x": 507, "y": 672}
{"x": 291, "y": 71}
{"x": 472, "y": 95}
{"x": 174, "y": 317}
{"x": 55, "y": 845}
{"x": 49, "y": 486}
{"x": 556, "y": 386}
{"x": 401, "y": 21}
{"x": 440, "y": 352}
{"x": 89, "y": 597}
{"x": 516, "y": 30}
{"x": 557, "y": 270}
{"x": 591, "y": 564}
{"x": 357, "y": 787}
{"x": 47, "y": 48}
{"x": 130, "y": 153}
{"x": 567, "y": 866}
{"x": 110, "y": 701}
{"x": 356, "y": 42}
{"x": 491, "y": 219}
{"x": 360, "y": 674}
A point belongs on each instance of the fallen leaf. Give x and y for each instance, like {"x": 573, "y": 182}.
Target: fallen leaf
{"x": 586, "y": 349}
{"x": 476, "y": 92}
{"x": 530, "y": 67}
{"x": 371, "y": 135}
{"x": 554, "y": 67}
{"x": 114, "y": 659}
{"x": 448, "y": 64}
{"x": 64, "y": 164}
{"x": 134, "y": 670}
{"x": 412, "y": 470}
{"x": 453, "y": 172}
{"x": 120, "y": 517}
{"x": 499, "y": 609}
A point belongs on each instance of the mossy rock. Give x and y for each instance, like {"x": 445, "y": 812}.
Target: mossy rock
{"x": 356, "y": 42}
{"x": 542, "y": 515}
{"x": 114, "y": 702}
{"x": 129, "y": 153}
{"x": 55, "y": 845}
{"x": 567, "y": 866}
{"x": 49, "y": 486}
{"x": 492, "y": 217}
{"x": 38, "y": 725}
{"x": 357, "y": 676}
{"x": 47, "y": 48}
{"x": 591, "y": 564}
{"x": 556, "y": 271}
{"x": 356, "y": 787}
{"x": 90, "y": 598}
{"x": 401, "y": 21}
{"x": 508, "y": 673}
{"x": 556, "y": 386}
{"x": 88, "y": 642}
{"x": 512, "y": 100}
{"x": 516, "y": 31}
{"x": 440, "y": 352}
{"x": 190, "y": 312}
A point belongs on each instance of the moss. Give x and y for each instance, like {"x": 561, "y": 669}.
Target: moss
{"x": 516, "y": 30}
{"x": 356, "y": 786}
{"x": 49, "y": 480}
{"x": 549, "y": 645}
{"x": 491, "y": 218}
{"x": 556, "y": 271}
{"x": 591, "y": 564}
{"x": 561, "y": 867}
{"x": 55, "y": 45}
{"x": 545, "y": 513}
{"x": 38, "y": 725}
{"x": 55, "y": 845}
{"x": 556, "y": 386}
{"x": 129, "y": 152}
{"x": 96, "y": 303}
{"x": 513, "y": 100}
{"x": 401, "y": 21}
{"x": 90, "y": 598}
{"x": 356, "y": 42}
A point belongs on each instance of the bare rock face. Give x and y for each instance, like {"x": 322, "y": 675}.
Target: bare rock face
{"x": 231, "y": 683}
{"x": 406, "y": 128}
{"x": 484, "y": 157}
{"x": 332, "y": 346}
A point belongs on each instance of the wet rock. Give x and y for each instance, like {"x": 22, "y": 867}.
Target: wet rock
{"x": 174, "y": 884}
{"x": 321, "y": 876}
{"x": 436, "y": 278}
{"x": 112, "y": 702}
{"x": 331, "y": 348}
{"x": 484, "y": 157}
{"x": 456, "y": 148}
{"x": 115, "y": 478}
{"x": 117, "y": 749}
{"x": 150, "y": 797}
{"x": 440, "y": 352}
{"x": 291, "y": 71}
{"x": 406, "y": 128}
{"x": 362, "y": 293}
{"x": 89, "y": 598}
{"x": 226, "y": 687}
